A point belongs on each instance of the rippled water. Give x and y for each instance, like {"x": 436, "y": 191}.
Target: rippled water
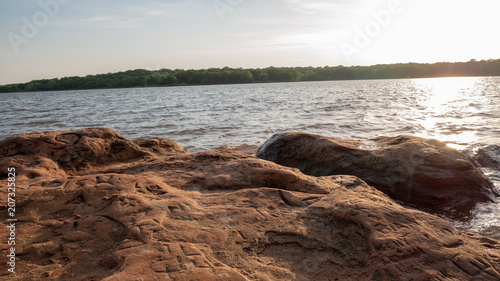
{"x": 464, "y": 112}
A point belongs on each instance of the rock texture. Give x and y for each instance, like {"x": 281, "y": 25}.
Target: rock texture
{"x": 420, "y": 172}
{"x": 94, "y": 206}
{"x": 489, "y": 157}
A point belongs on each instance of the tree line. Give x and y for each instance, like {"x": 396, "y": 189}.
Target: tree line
{"x": 226, "y": 75}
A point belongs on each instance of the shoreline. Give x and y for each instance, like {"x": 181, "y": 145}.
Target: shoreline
{"x": 222, "y": 76}
{"x": 253, "y": 83}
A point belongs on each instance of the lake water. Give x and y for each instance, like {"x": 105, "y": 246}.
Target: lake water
{"x": 464, "y": 112}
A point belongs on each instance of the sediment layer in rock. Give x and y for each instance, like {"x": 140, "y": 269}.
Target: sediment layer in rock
{"x": 94, "y": 206}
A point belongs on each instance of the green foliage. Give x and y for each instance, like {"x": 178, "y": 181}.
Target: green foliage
{"x": 226, "y": 75}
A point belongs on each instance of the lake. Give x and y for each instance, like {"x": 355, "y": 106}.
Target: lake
{"x": 463, "y": 112}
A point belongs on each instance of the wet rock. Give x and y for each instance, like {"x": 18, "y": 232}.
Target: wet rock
{"x": 224, "y": 215}
{"x": 489, "y": 157}
{"x": 420, "y": 172}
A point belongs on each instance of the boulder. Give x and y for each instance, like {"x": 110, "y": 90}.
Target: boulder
{"x": 219, "y": 215}
{"x": 422, "y": 173}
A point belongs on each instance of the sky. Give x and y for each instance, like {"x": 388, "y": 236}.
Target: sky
{"x": 42, "y": 39}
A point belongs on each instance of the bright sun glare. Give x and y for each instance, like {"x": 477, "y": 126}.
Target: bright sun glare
{"x": 447, "y": 111}
{"x": 444, "y": 92}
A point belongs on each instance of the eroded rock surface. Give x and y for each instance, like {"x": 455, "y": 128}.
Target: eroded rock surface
{"x": 138, "y": 213}
{"x": 420, "y": 172}
{"x": 80, "y": 149}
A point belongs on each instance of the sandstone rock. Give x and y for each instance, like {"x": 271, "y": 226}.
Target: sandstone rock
{"x": 420, "y": 172}
{"x": 221, "y": 215}
{"x": 160, "y": 146}
{"x": 78, "y": 149}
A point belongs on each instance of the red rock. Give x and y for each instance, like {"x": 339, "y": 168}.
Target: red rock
{"x": 79, "y": 149}
{"x": 218, "y": 215}
{"x": 420, "y": 172}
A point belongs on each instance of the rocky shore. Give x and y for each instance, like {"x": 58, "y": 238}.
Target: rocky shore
{"x": 92, "y": 205}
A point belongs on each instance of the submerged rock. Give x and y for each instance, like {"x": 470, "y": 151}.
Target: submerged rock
{"x": 489, "y": 157}
{"x": 420, "y": 172}
{"x": 164, "y": 214}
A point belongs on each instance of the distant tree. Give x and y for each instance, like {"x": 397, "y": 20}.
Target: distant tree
{"x": 168, "y": 77}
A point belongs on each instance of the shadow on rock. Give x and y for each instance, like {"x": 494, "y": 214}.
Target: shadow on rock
{"x": 419, "y": 172}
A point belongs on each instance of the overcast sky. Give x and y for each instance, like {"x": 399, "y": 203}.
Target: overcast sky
{"x": 57, "y": 38}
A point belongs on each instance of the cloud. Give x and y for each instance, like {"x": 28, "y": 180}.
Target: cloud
{"x": 12, "y": 27}
{"x": 124, "y": 14}
{"x": 95, "y": 19}
{"x": 321, "y": 7}
{"x": 118, "y": 20}
{"x": 154, "y": 13}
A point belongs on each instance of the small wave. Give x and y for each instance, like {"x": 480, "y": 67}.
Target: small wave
{"x": 336, "y": 107}
{"x": 347, "y": 126}
{"x": 245, "y": 148}
{"x": 162, "y": 126}
{"x": 43, "y": 122}
{"x": 48, "y": 110}
{"x": 305, "y": 127}
{"x": 203, "y": 130}
{"x": 220, "y": 128}
{"x": 198, "y": 131}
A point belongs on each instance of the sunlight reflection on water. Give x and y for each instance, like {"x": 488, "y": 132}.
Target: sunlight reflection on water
{"x": 448, "y": 110}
